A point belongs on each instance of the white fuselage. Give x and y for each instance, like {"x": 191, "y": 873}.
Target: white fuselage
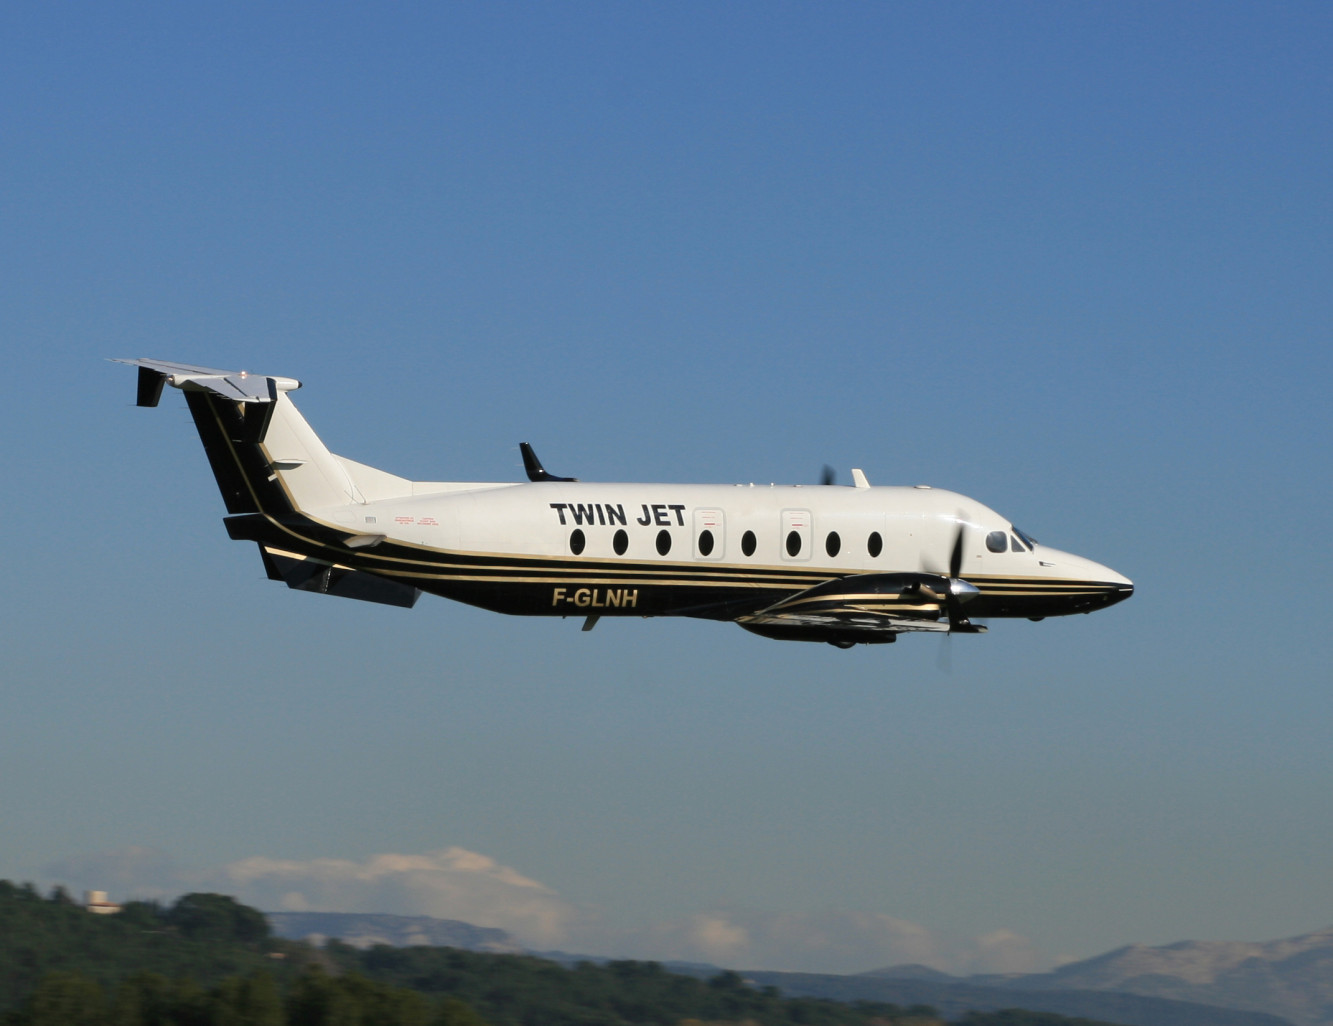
{"x": 814, "y": 532}
{"x": 846, "y": 565}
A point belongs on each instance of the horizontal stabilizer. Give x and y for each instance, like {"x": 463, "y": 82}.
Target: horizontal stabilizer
{"x": 304, "y": 574}
{"x": 238, "y": 386}
{"x": 236, "y": 405}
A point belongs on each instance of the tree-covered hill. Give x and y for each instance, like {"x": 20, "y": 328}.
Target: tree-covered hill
{"x": 210, "y": 961}
{"x": 202, "y": 937}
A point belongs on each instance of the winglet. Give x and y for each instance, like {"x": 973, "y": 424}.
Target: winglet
{"x": 534, "y": 468}
{"x": 150, "y": 387}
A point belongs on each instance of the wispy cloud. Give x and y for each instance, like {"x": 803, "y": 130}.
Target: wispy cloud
{"x": 454, "y": 883}
{"x": 827, "y": 941}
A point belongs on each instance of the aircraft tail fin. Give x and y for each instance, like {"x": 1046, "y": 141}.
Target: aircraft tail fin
{"x": 264, "y": 455}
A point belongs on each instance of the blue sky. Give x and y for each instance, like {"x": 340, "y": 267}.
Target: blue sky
{"x": 1071, "y": 260}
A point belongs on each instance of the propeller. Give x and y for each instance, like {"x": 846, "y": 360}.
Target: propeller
{"x": 956, "y": 556}
{"x": 958, "y": 591}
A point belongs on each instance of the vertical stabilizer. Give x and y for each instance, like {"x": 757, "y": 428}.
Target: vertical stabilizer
{"x": 263, "y": 453}
{"x": 313, "y": 477}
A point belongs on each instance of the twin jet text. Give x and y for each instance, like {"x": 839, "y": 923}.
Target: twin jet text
{"x": 603, "y": 514}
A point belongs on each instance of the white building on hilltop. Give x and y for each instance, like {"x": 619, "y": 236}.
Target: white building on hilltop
{"x": 96, "y": 903}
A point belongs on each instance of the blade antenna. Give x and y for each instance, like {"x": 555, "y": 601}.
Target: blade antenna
{"x": 534, "y": 468}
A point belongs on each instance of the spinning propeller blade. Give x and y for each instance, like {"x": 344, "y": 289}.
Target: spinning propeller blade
{"x": 959, "y": 590}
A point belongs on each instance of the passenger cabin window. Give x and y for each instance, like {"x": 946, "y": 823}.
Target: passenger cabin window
{"x": 620, "y": 542}
{"x": 997, "y": 541}
{"x": 874, "y": 544}
{"x": 576, "y": 541}
{"x": 748, "y": 543}
{"x": 710, "y": 538}
{"x": 797, "y": 534}
{"x": 832, "y": 544}
{"x": 663, "y": 542}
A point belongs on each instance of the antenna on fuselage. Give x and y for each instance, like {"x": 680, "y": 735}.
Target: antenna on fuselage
{"x": 534, "y": 468}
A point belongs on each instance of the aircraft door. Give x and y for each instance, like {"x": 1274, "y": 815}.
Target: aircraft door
{"x": 709, "y": 534}
{"x": 794, "y": 542}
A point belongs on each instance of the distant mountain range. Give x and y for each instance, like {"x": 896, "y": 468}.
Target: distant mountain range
{"x": 1191, "y": 983}
{"x": 364, "y": 931}
{"x": 1292, "y": 978}
{"x": 952, "y": 996}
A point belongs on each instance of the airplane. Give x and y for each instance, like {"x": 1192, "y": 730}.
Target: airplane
{"x": 845, "y": 565}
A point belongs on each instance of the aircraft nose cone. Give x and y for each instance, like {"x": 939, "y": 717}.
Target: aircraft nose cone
{"x": 1117, "y": 586}
{"x": 1124, "y": 587}
{"x": 1122, "y": 592}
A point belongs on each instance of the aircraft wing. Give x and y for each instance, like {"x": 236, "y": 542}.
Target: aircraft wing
{"x": 850, "y": 619}
{"x": 861, "y": 609}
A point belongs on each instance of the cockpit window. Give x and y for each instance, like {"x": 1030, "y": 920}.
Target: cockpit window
{"x": 1028, "y": 540}
{"x": 1017, "y": 545}
{"x": 997, "y": 541}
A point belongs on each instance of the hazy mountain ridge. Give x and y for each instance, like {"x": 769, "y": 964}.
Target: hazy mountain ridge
{"x": 1200, "y": 983}
{"x": 910, "y": 971}
{"x": 1115, "y": 987}
{"x": 956, "y": 996}
{"x": 1291, "y": 977}
{"x": 364, "y": 930}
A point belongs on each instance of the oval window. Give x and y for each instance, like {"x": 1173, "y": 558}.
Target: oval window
{"x": 620, "y": 542}
{"x": 576, "y": 541}
{"x": 663, "y": 542}
{"x": 874, "y": 544}
{"x": 997, "y": 541}
{"x": 833, "y": 544}
{"x": 705, "y": 543}
{"x": 793, "y": 543}
{"x": 748, "y": 543}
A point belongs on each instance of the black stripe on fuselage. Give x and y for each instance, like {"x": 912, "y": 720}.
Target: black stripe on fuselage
{"x": 542, "y": 585}
{"x": 533, "y": 585}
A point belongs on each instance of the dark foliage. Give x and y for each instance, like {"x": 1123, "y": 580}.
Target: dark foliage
{"x": 209, "y": 961}
{"x": 40, "y": 936}
{"x": 216, "y": 917}
{"x": 517, "y": 990}
{"x": 1022, "y": 1017}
